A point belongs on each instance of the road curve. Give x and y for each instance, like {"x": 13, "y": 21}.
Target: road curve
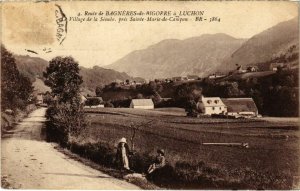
{"x": 28, "y": 162}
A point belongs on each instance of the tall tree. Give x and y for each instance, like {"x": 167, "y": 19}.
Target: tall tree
{"x": 15, "y": 88}
{"x": 66, "y": 117}
{"x": 62, "y": 76}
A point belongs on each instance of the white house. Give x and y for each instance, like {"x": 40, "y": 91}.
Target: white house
{"x": 274, "y": 66}
{"x": 142, "y": 104}
{"x": 211, "y": 105}
{"x": 82, "y": 99}
{"x": 240, "y": 106}
{"x": 252, "y": 69}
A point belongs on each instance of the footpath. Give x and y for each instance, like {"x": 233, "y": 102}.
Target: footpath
{"x": 28, "y": 162}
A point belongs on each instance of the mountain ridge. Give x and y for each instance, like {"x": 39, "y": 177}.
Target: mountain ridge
{"x": 33, "y": 68}
{"x": 196, "y": 55}
{"x": 266, "y": 45}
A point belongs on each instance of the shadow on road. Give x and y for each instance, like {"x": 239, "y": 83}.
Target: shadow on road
{"x": 30, "y": 128}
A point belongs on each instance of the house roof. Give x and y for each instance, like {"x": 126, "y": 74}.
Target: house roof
{"x": 240, "y": 104}
{"x": 142, "y": 102}
{"x": 212, "y": 102}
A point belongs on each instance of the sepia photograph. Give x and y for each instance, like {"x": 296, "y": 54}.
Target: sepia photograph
{"x": 150, "y": 95}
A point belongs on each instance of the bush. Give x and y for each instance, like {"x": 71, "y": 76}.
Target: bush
{"x": 108, "y": 104}
{"x": 56, "y": 133}
{"x": 122, "y": 103}
{"x": 100, "y": 153}
{"x": 93, "y": 101}
{"x": 65, "y": 120}
{"x": 165, "y": 177}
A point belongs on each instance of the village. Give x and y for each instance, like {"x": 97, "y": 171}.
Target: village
{"x": 199, "y": 125}
{"x": 238, "y": 107}
{"x": 209, "y": 106}
{"x": 159, "y": 96}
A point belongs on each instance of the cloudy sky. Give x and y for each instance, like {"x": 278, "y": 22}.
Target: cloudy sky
{"x": 33, "y": 26}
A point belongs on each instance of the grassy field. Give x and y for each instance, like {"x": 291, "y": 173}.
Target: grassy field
{"x": 271, "y": 161}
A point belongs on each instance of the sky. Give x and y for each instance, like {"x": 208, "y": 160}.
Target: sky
{"x": 33, "y": 26}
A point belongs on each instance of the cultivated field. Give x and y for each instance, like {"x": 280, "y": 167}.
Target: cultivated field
{"x": 271, "y": 161}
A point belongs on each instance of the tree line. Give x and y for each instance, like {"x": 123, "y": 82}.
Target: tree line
{"x": 274, "y": 95}
{"x": 16, "y": 89}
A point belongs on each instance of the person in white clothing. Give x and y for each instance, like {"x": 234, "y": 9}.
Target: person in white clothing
{"x": 122, "y": 154}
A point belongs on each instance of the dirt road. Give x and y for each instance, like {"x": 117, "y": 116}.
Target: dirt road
{"x": 28, "y": 162}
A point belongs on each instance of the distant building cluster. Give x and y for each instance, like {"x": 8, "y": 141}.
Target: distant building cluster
{"x": 244, "y": 107}
{"x": 249, "y": 69}
{"x": 130, "y": 83}
{"x": 185, "y": 78}
{"x": 178, "y": 79}
{"x": 275, "y": 66}
{"x": 216, "y": 75}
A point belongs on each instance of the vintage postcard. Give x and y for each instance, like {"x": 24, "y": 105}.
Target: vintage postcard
{"x": 127, "y": 95}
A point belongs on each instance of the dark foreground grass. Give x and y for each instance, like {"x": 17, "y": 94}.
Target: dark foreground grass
{"x": 167, "y": 177}
{"x": 183, "y": 175}
{"x": 271, "y": 161}
{"x": 89, "y": 159}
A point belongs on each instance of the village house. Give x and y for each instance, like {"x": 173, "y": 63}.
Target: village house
{"x": 168, "y": 80}
{"x": 252, "y": 69}
{"x": 240, "y": 106}
{"x": 211, "y": 105}
{"x": 240, "y": 70}
{"x": 82, "y": 99}
{"x": 142, "y": 104}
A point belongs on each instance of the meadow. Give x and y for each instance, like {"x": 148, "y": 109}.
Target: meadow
{"x": 270, "y": 162}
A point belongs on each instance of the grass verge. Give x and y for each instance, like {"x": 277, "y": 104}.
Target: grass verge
{"x": 116, "y": 173}
{"x": 182, "y": 175}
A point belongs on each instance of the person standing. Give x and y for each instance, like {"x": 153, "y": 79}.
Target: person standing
{"x": 122, "y": 154}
